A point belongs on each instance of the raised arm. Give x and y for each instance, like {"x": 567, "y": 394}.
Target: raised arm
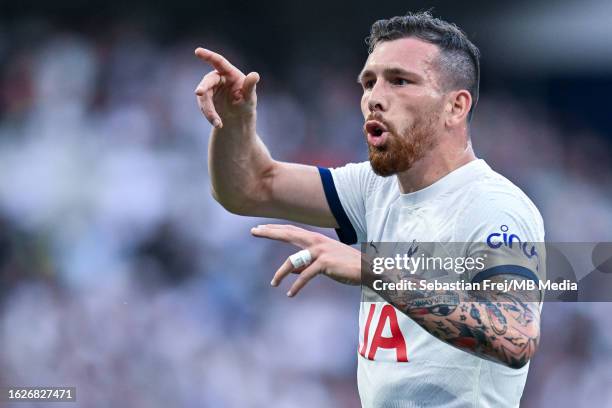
{"x": 244, "y": 177}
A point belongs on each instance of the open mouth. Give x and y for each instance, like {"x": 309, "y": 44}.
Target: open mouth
{"x": 376, "y": 132}
{"x": 375, "y": 128}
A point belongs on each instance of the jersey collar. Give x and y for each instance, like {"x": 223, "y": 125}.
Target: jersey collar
{"x": 451, "y": 182}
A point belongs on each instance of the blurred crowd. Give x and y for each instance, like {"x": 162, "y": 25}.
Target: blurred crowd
{"x": 120, "y": 275}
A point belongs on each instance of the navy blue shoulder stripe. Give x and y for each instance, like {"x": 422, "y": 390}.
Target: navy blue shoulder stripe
{"x": 506, "y": 269}
{"x": 346, "y": 232}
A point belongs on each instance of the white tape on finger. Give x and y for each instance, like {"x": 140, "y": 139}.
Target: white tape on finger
{"x": 301, "y": 258}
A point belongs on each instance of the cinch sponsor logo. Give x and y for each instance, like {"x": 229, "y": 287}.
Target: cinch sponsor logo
{"x": 497, "y": 239}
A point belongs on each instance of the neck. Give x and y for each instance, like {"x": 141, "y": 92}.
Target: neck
{"x": 439, "y": 162}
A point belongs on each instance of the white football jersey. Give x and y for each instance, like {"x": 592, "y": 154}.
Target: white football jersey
{"x": 400, "y": 363}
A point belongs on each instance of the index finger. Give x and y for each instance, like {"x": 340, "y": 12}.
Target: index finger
{"x": 218, "y": 61}
{"x": 295, "y": 236}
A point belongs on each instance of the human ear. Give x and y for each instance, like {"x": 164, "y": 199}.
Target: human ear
{"x": 458, "y": 107}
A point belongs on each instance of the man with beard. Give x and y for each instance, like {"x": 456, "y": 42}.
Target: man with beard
{"x": 422, "y": 183}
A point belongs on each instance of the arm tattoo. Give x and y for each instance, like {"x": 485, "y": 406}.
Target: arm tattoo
{"x": 500, "y": 326}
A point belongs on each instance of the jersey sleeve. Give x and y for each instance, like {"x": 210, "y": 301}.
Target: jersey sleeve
{"x": 507, "y": 231}
{"x": 345, "y": 189}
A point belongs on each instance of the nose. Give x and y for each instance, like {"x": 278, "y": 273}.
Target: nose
{"x": 374, "y": 106}
{"x": 377, "y": 101}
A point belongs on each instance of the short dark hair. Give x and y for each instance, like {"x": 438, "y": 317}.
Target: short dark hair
{"x": 459, "y": 59}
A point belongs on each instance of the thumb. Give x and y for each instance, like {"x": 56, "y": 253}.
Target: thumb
{"x": 249, "y": 85}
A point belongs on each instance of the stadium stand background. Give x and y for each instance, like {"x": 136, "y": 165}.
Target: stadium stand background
{"x": 120, "y": 275}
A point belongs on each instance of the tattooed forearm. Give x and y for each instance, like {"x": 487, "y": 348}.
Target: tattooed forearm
{"x": 503, "y": 327}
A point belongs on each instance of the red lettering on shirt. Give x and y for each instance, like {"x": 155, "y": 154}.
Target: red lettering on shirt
{"x": 396, "y": 341}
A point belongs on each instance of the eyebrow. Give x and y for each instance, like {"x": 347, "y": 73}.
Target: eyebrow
{"x": 388, "y": 71}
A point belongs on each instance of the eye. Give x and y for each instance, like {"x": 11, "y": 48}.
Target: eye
{"x": 400, "y": 81}
{"x": 368, "y": 84}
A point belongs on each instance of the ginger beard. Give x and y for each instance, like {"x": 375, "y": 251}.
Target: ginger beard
{"x": 401, "y": 151}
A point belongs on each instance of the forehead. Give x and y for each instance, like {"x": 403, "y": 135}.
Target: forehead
{"x": 411, "y": 54}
